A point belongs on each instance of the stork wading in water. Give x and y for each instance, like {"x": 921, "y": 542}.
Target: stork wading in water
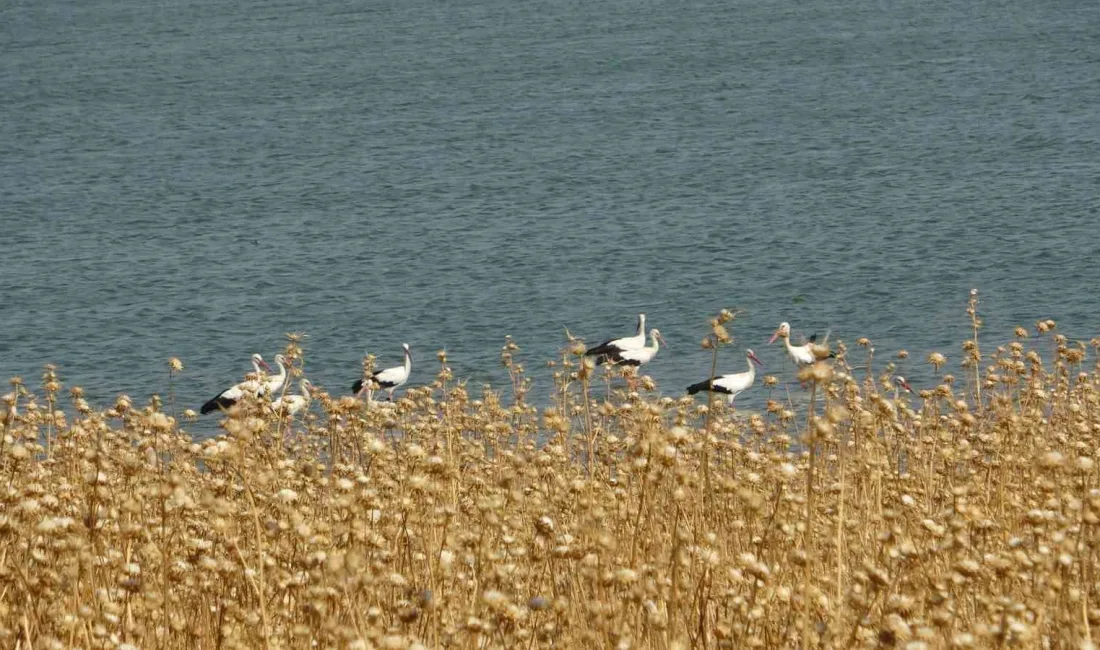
{"x": 617, "y": 346}
{"x": 291, "y": 404}
{"x": 638, "y": 356}
{"x": 801, "y": 355}
{"x": 730, "y": 385}
{"x": 233, "y": 394}
{"x": 390, "y": 378}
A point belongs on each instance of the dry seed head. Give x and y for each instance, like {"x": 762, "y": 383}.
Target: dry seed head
{"x": 286, "y": 495}
{"x": 805, "y": 374}
{"x": 837, "y": 413}
{"x": 819, "y": 372}
{"x": 1052, "y": 459}
{"x": 824, "y": 429}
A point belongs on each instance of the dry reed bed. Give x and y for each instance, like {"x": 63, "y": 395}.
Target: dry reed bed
{"x": 863, "y": 519}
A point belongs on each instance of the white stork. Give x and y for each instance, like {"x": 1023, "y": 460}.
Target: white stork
{"x": 801, "y": 355}
{"x": 291, "y": 404}
{"x": 900, "y": 384}
{"x": 733, "y": 384}
{"x": 616, "y": 346}
{"x": 390, "y": 378}
{"x": 229, "y": 396}
{"x": 274, "y": 383}
{"x": 637, "y": 356}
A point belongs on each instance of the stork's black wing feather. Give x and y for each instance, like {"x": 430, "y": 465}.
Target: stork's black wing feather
{"x": 217, "y": 403}
{"x": 699, "y": 387}
{"x": 601, "y": 349}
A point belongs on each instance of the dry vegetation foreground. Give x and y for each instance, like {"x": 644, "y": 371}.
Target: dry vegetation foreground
{"x": 964, "y": 516}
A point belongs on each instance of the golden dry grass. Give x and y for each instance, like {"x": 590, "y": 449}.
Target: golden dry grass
{"x": 859, "y": 519}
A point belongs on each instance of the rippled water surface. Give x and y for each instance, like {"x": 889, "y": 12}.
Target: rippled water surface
{"x": 197, "y": 178}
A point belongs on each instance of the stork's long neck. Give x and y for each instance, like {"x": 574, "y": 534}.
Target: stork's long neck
{"x": 790, "y": 348}
{"x": 408, "y": 363}
{"x": 641, "y": 327}
{"x": 304, "y": 386}
{"x": 281, "y": 377}
{"x": 752, "y": 371}
{"x": 256, "y": 367}
{"x": 656, "y": 343}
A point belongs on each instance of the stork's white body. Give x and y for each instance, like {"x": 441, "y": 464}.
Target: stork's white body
{"x": 638, "y": 356}
{"x": 236, "y": 392}
{"x": 619, "y": 346}
{"x": 732, "y": 384}
{"x": 274, "y": 383}
{"x": 390, "y": 379}
{"x": 233, "y": 394}
{"x": 291, "y": 404}
{"x": 801, "y": 355}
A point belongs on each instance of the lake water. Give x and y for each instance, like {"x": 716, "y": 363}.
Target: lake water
{"x": 196, "y": 178}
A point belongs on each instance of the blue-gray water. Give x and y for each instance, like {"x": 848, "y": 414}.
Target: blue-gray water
{"x": 195, "y": 178}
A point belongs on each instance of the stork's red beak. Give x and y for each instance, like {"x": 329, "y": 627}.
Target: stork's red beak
{"x": 263, "y": 364}
{"x": 758, "y": 361}
{"x": 774, "y": 337}
{"x": 905, "y": 385}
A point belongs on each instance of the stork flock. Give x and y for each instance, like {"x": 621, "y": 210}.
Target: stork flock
{"x": 632, "y": 350}
{"x": 389, "y": 379}
{"x": 626, "y": 351}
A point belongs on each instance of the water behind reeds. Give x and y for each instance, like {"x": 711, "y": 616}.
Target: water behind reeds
{"x": 195, "y": 179}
